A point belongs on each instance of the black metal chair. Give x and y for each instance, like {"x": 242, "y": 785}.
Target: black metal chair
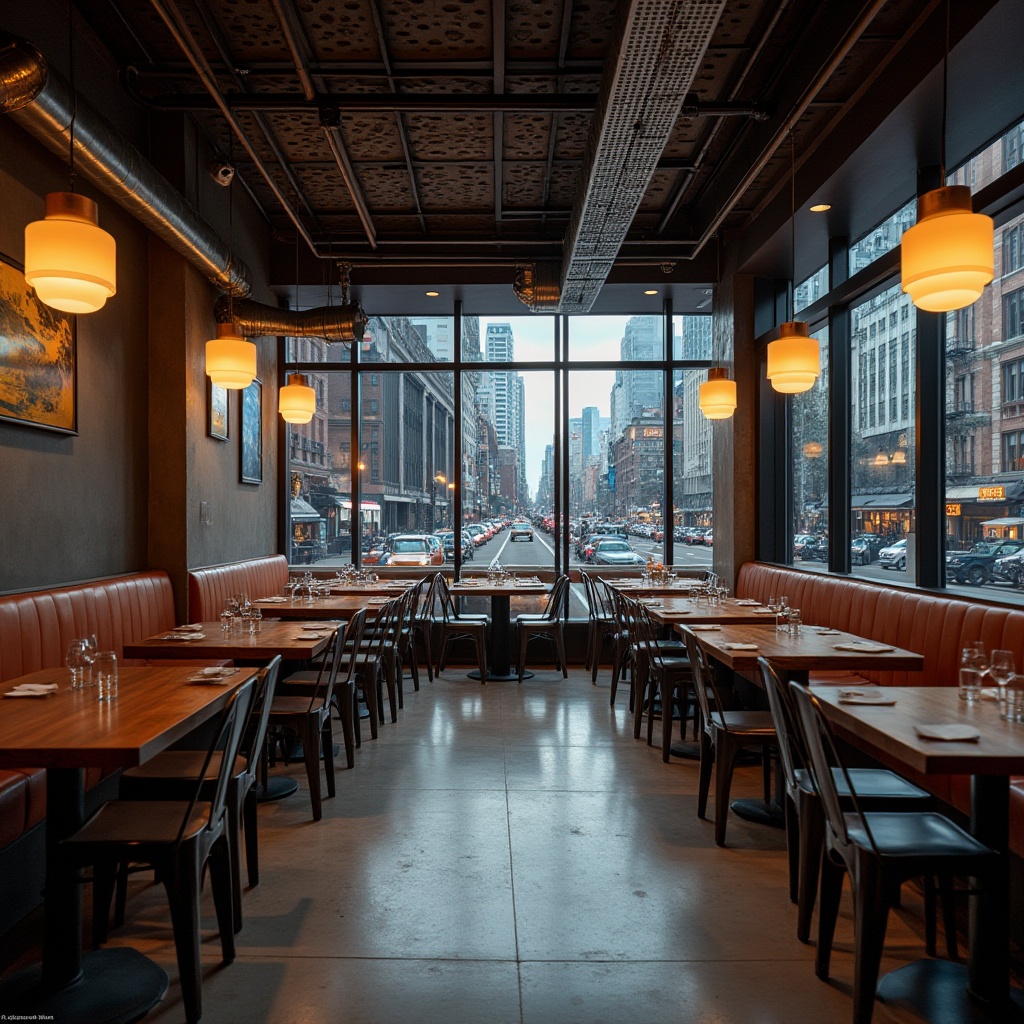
{"x": 455, "y": 626}
{"x": 546, "y": 625}
{"x": 877, "y": 789}
{"x": 177, "y": 839}
{"x": 600, "y": 621}
{"x": 723, "y": 736}
{"x": 879, "y": 850}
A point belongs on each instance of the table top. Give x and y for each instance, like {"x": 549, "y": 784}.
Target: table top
{"x": 487, "y": 588}
{"x": 154, "y": 708}
{"x": 332, "y": 606}
{"x": 629, "y": 586}
{"x": 385, "y": 586}
{"x": 888, "y": 730}
{"x": 810, "y": 650}
{"x": 686, "y": 610}
{"x": 284, "y": 638}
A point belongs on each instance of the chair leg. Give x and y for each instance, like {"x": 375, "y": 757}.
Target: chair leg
{"x": 368, "y": 678}
{"x": 346, "y": 707}
{"x": 389, "y": 681}
{"x": 233, "y": 835}
{"x": 640, "y": 682}
{"x": 871, "y": 911}
{"x": 792, "y": 848}
{"x": 524, "y": 639}
{"x": 223, "y": 886}
{"x": 252, "y": 839}
{"x": 707, "y": 757}
{"x": 766, "y": 773}
{"x": 949, "y": 916}
{"x": 828, "y": 912}
{"x": 812, "y": 845}
{"x": 481, "y": 657}
{"x": 105, "y": 877}
{"x": 414, "y": 669}
{"x": 327, "y": 748}
{"x": 181, "y": 881}
{"x": 560, "y": 649}
{"x": 725, "y": 760}
{"x": 616, "y": 671}
{"x": 311, "y": 757}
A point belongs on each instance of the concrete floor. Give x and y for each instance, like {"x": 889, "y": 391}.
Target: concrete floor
{"x": 511, "y": 855}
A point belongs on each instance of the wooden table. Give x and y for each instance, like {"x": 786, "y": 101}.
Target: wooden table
{"x": 694, "y": 611}
{"x": 65, "y": 734}
{"x": 284, "y": 638}
{"x": 499, "y": 641}
{"x": 333, "y": 606}
{"x": 887, "y": 732}
{"x": 634, "y": 587}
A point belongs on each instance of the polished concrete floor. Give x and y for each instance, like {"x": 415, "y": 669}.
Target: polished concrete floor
{"x": 510, "y": 854}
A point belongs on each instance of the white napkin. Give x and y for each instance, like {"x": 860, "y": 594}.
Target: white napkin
{"x": 864, "y": 648}
{"x": 194, "y": 627}
{"x": 741, "y": 647}
{"x": 33, "y": 690}
{"x": 950, "y": 731}
{"x": 830, "y": 632}
{"x": 749, "y": 602}
{"x": 213, "y": 674}
{"x": 763, "y": 611}
{"x": 704, "y": 629}
{"x": 185, "y": 635}
{"x": 271, "y": 600}
{"x": 865, "y": 697}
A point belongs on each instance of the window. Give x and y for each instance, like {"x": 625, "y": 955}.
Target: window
{"x": 811, "y": 290}
{"x": 1013, "y": 381}
{"x": 882, "y": 392}
{"x": 1013, "y": 323}
{"x": 881, "y": 239}
{"x": 893, "y": 397}
{"x": 373, "y": 407}
{"x": 905, "y": 379}
{"x": 1013, "y": 143}
{"x": 1012, "y": 249}
{"x": 1013, "y": 452}
{"x": 374, "y": 379}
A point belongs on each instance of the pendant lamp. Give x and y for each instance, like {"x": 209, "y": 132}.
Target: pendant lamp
{"x": 296, "y": 401}
{"x": 718, "y": 394}
{"x": 69, "y": 259}
{"x": 948, "y": 257}
{"x": 794, "y": 358}
{"x": 230, "y": 359}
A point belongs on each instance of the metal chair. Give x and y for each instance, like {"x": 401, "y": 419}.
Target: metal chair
{"x": 879, "y": 850}
{"x": 455, "y": 626}
{"x": 601, "y": 622}
{"x": 546, "y": 625}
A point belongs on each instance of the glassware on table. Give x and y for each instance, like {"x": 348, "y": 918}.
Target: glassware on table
{"x": 782, "y": 614}
{"x": 226, "y": 622}
{"x": 90, "y": 647}
{"x": 256, "y": 621}
{"x": 77, "y": 663}
{"x": 793, "y": 622}
{"x": 1002, "y": 669}
{"x": 1013, "y": 705}
{"x": 970, "y": 684}
{"x": 105, "y": 672}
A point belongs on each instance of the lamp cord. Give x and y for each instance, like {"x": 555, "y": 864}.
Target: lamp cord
{"x": 945, "y": 100}
{"x": 792, "y": 226}
{"x": 231, "y": 233}
{"x": 74, "y": 95}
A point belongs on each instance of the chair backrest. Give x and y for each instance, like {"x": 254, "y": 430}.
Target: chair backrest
{"x": 822, "y": 757}
{"x": 784, "y": 718}
{"x": 256, "y": 730}
{"x": 708, "y": 699}
{"x": 444, "y": 596}
{"x": 227, "y": 739}
{"x": 345, "y": 642}
{"x": 556, "y": 604}
{"x": 605, "y": 596}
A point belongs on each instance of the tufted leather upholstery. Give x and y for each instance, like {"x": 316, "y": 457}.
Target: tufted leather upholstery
{"x": 35, "y": 629}
{"x": 935, "y": 627}
{"x": 209, "y": 588}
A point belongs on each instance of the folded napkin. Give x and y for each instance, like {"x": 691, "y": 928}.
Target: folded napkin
{"x": 950, "y": 731}
{"x": 750, "y": 602}
{"x": 652, "y": 602}
{"x": 864, "y": 648}
{"x": 194, "y": 627}
{"x": 271, "y": 600}
{"x": 763, "y": 611}
{"x": 184, "y": 635}
{"x": 33, "y": 690}
{"x": 830, "y": 632}
{"x": 705, "y": 629}
{"x": 378, "y": 600}
{"x": 865, "y": 697}
{"x": 741, "y": 647}
{"x": 320, "y": 627}
{"x": 213, "y": 674}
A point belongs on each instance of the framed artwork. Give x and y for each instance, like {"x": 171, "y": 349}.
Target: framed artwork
{"x": 38, "y": 358}
{"x": 217, "y": 410}
{"x": 252, "y": 433}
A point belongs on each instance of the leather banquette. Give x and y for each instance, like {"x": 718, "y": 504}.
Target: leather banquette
{"x": 35, "y": 629}
{"x": 936, "y": 627}
{"x": 209, "y": 588}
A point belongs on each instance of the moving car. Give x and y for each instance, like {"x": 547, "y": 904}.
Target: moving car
{"x": 477, "y": 532}
{"x": 447, "y": 538}
{"x": 894, "y": 556}
{"x": 521, "y": 529}
{"x": 411, "y": 549}
{"x": 864, "y": 549}
{"x": 614, "y": 551}
{"x": 975, "y": 566}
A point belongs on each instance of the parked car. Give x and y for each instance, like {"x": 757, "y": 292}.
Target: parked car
{"x": 477, "y": 532}
{"x": 800, "y": 541}
{"x": 1010, "y": 568}
{"x": 412, "y": 549}
{"x": 894, "y": 556}
{"x": 447, "y": 538}
{"x": 815, "y": 552}
{"x": 615, "y": 551}
{"x": 521, "y": 530}
{"x": 864, "y": 549}
{"x": 436, "y": 549}
{"x": 975, "y": 566}
{"x": 379, "y": 551}
{"x": 694, "y": 534}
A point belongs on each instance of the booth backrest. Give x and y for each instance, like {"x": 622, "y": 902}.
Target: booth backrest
{"x": 936, "y": 627}
{"x": 209, "y": 588}
{"x": 36, "y": 627}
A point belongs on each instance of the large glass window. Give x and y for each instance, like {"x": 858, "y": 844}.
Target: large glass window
{"x": 809, "y": 454}
{"x": 882, "y": 433}
{"x": 883, "y": 238}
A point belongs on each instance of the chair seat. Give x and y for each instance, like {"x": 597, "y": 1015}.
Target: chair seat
{"x": 140, "y": 823}
{"x": 182, "y": 764}
{"x": 917, "y": 836}
{"x": 868, "y": 783}
{"x": 748, "y": 722}
{"x": 298, "y": 705}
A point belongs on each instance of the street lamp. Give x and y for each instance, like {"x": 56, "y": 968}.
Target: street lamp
{"x": 439, "y": 479}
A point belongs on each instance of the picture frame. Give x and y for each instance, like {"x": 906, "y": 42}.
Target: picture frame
{"x": 38, "y": 357}
{"x": 251, "y": 431}
{"x": 217, "y": 411}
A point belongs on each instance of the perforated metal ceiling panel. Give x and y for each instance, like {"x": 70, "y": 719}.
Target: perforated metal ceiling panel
{"x": 661, "y": 48}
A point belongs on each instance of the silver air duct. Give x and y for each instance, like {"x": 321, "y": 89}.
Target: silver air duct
{"x": 256, "y": 320}
{"x": 40, "y": 100}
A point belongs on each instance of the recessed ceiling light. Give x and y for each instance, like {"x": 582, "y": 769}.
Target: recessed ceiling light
{"x": 650, "y": 291}
{"x": 821, "y": 207}
{"x": 432, "y": 295}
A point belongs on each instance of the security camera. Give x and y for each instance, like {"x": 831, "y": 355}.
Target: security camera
{"x": 222, "y": 173}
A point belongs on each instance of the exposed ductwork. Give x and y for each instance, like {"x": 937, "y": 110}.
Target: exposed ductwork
{"x": 40, "y": 100}
{"x": 255, "y": 320}
{"x": 537, "y": 285}
{"x": 643, "y": 93}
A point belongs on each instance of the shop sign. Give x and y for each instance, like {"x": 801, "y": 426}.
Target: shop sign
{"x": 652, "y": 431}
{"x": 992, "y": 493}
{"x": 952, "y": 508}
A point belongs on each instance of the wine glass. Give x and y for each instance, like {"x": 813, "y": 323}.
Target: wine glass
{"x": 90, "y": 648}
{"x": 76, "y": 663}
{"x": 1003, "y": 670}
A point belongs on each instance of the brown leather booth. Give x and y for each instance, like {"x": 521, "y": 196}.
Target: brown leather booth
{"x": 209, "y": 588}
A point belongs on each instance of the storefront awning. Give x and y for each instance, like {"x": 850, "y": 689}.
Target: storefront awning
{"x": 882, "y": 501}
{"x": 1010, "y": 490}
{"x": 401, "y": 499}
{"x": 1005, "y": 521}
{"x": 364, "y": 506}
{"x": 303, "y": 512}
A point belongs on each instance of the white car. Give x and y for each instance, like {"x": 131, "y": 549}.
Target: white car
{"x": 521, "y": 530}
{"x": 894, "y": 557}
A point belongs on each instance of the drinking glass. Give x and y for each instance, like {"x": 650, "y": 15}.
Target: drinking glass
{"x": 1003, "y": 669}
{"x": 970, "y": 684}
{"x": 226, "y": 619}
{"x": 256, "y": 621}
{"x": 90, "y": 646}
{"x": 793, "y": 622}
{"x": 782, "y": 614}
{"x": 77, "y": 664}
{"x": 105, "y": 671}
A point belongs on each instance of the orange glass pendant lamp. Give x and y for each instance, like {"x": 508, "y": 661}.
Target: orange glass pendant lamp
{"x": 230, "y": 359}
{"x": 794, "y": 359}
{"x": 718, "y": 394}
{"x": 297, "y": 400}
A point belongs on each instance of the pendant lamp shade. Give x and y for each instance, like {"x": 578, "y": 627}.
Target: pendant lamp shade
{"x": 297, "y": 400}
{"x": 948, "y": 256}
{"x": 230, "y": 359}
{"x": 69, "y": 259}
{"x": 794, "y": 359}
{"x": 718, "y": 394}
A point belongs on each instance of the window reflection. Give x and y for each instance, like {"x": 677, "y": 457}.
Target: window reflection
{"x": 809, "y": 455}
